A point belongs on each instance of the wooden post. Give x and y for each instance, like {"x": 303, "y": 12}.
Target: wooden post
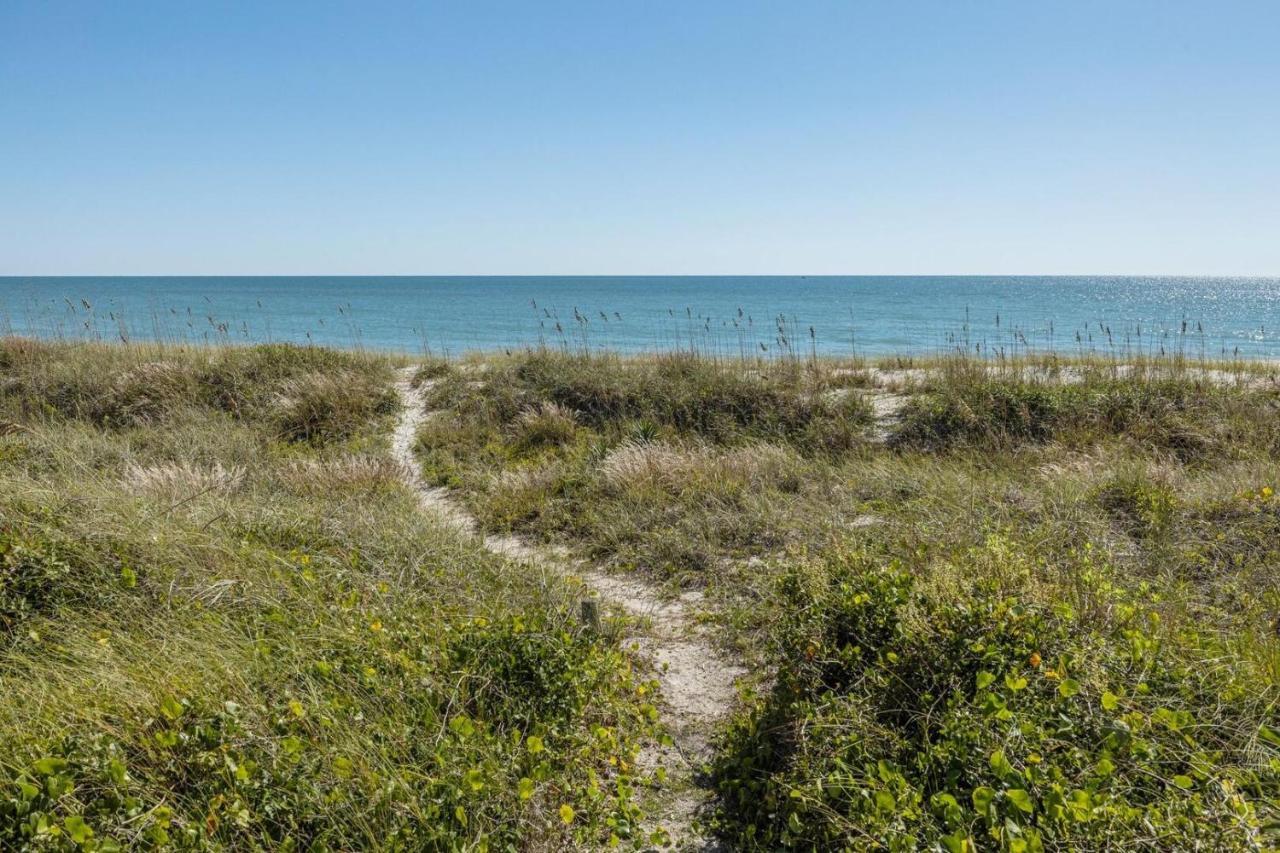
{"x": 590, "y": 611}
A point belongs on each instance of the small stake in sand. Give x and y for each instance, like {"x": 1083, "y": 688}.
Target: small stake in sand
{"x": 590, "y": 610}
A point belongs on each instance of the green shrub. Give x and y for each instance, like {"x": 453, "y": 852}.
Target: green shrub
{"x": 984, "y": 411}
{"x": 1193, "y": 420}
{"x": 899, "y": 722}
{"x": 683, "y": 393}
{"x": 1144, "y": 506}
{"x": 33, "y": 578}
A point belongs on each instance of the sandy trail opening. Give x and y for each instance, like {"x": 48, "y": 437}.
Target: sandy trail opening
{"x": 697, "y": 680}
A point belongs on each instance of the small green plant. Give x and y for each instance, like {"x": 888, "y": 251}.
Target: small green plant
{"x": 1145, "y": 506}
{"x": 33, "y": 578}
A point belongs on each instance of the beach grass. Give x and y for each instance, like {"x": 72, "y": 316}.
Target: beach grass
{"x": 226, "y": 624}
{"x": 1030, "y": 605}
{"x": 987, "y": 603}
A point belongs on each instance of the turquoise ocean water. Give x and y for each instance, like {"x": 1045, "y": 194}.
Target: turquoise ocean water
{"x": 732, "y": 315}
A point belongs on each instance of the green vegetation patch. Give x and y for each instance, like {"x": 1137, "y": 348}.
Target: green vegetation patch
{"x": 226, "y": 624}
{"x": 674, "y": 394}
{"x": 1041, "y": 615}
{"x": 901, "y": 720}
{"x": 300, "y": 393}
{"x": 1193, "y": 419}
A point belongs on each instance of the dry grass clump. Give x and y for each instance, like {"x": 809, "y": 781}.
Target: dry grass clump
{"x": 546, "y": 424}
{"x": 183, "y": 478}
{"x": 640, "y": 464}
{"x": 516, "y": 495}
{"x": 346, "y": 473}
{"x": 108, "y": 391}
{"x": 658, "y": 465}
{"x": 148, "y": 393}
{"x": 523, "y": 480}
{"x": 330, "y": 406}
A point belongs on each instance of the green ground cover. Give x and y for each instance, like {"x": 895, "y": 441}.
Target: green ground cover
{"x": 987, "y": 605}
{"x": 1039, "y": 614}
{"x": 225, "y": 624}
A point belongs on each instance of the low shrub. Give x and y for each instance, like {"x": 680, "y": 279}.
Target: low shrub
{"x": 984, "y": 411}
{"x": 685, "y": 394}
{"x": 899, "y": 722}
{"x": 326, "y": 407}
{"x": 1144, "y": 506}
{"x": 539, "y": 744}
{"x": 33, "y": 578}
{"x": 1192, "y": 419}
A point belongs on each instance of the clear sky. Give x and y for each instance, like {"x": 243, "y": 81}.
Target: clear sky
{"x": 639, "y": 137}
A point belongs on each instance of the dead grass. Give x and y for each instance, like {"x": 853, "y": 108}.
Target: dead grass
{"x": 183, "y": 479}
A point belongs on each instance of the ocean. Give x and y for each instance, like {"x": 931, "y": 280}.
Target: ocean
{"x": 728, "y": 315}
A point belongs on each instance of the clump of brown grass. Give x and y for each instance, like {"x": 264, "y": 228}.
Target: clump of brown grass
{"x": 546, "y": 424}
{"x": 531, "y": 479}
{"x": 346, "y": 473}
{"x": 319, "y": 407}
{"x": 658, "y": 465}
{"x": 148, "y": 393}
{"x": 183, "y": 478}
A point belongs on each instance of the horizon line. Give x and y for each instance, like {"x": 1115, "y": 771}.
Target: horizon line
{"x": 1260, "y": 276}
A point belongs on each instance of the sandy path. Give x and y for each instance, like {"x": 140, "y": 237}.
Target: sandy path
{"x": 697, "y": 681}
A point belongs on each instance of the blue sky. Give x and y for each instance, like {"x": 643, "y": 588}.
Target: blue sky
{"x": 645, "y": 137}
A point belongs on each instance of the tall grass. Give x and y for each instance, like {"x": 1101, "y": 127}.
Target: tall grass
{"x": 1040, "y": 615}
{"x": 226, "y": 624}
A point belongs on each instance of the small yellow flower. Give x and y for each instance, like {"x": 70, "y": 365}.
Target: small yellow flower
{"x": 566, "y": 813}
{"x": 375, "y": 625}
{"x": 1266, "y": 491}
{"x": 1050, "y": 673}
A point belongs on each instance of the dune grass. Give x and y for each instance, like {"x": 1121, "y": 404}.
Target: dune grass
{"x": 1036, "y": 609}
{"x": 225, "y": 624}
{"x": 1039, "y": 614}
